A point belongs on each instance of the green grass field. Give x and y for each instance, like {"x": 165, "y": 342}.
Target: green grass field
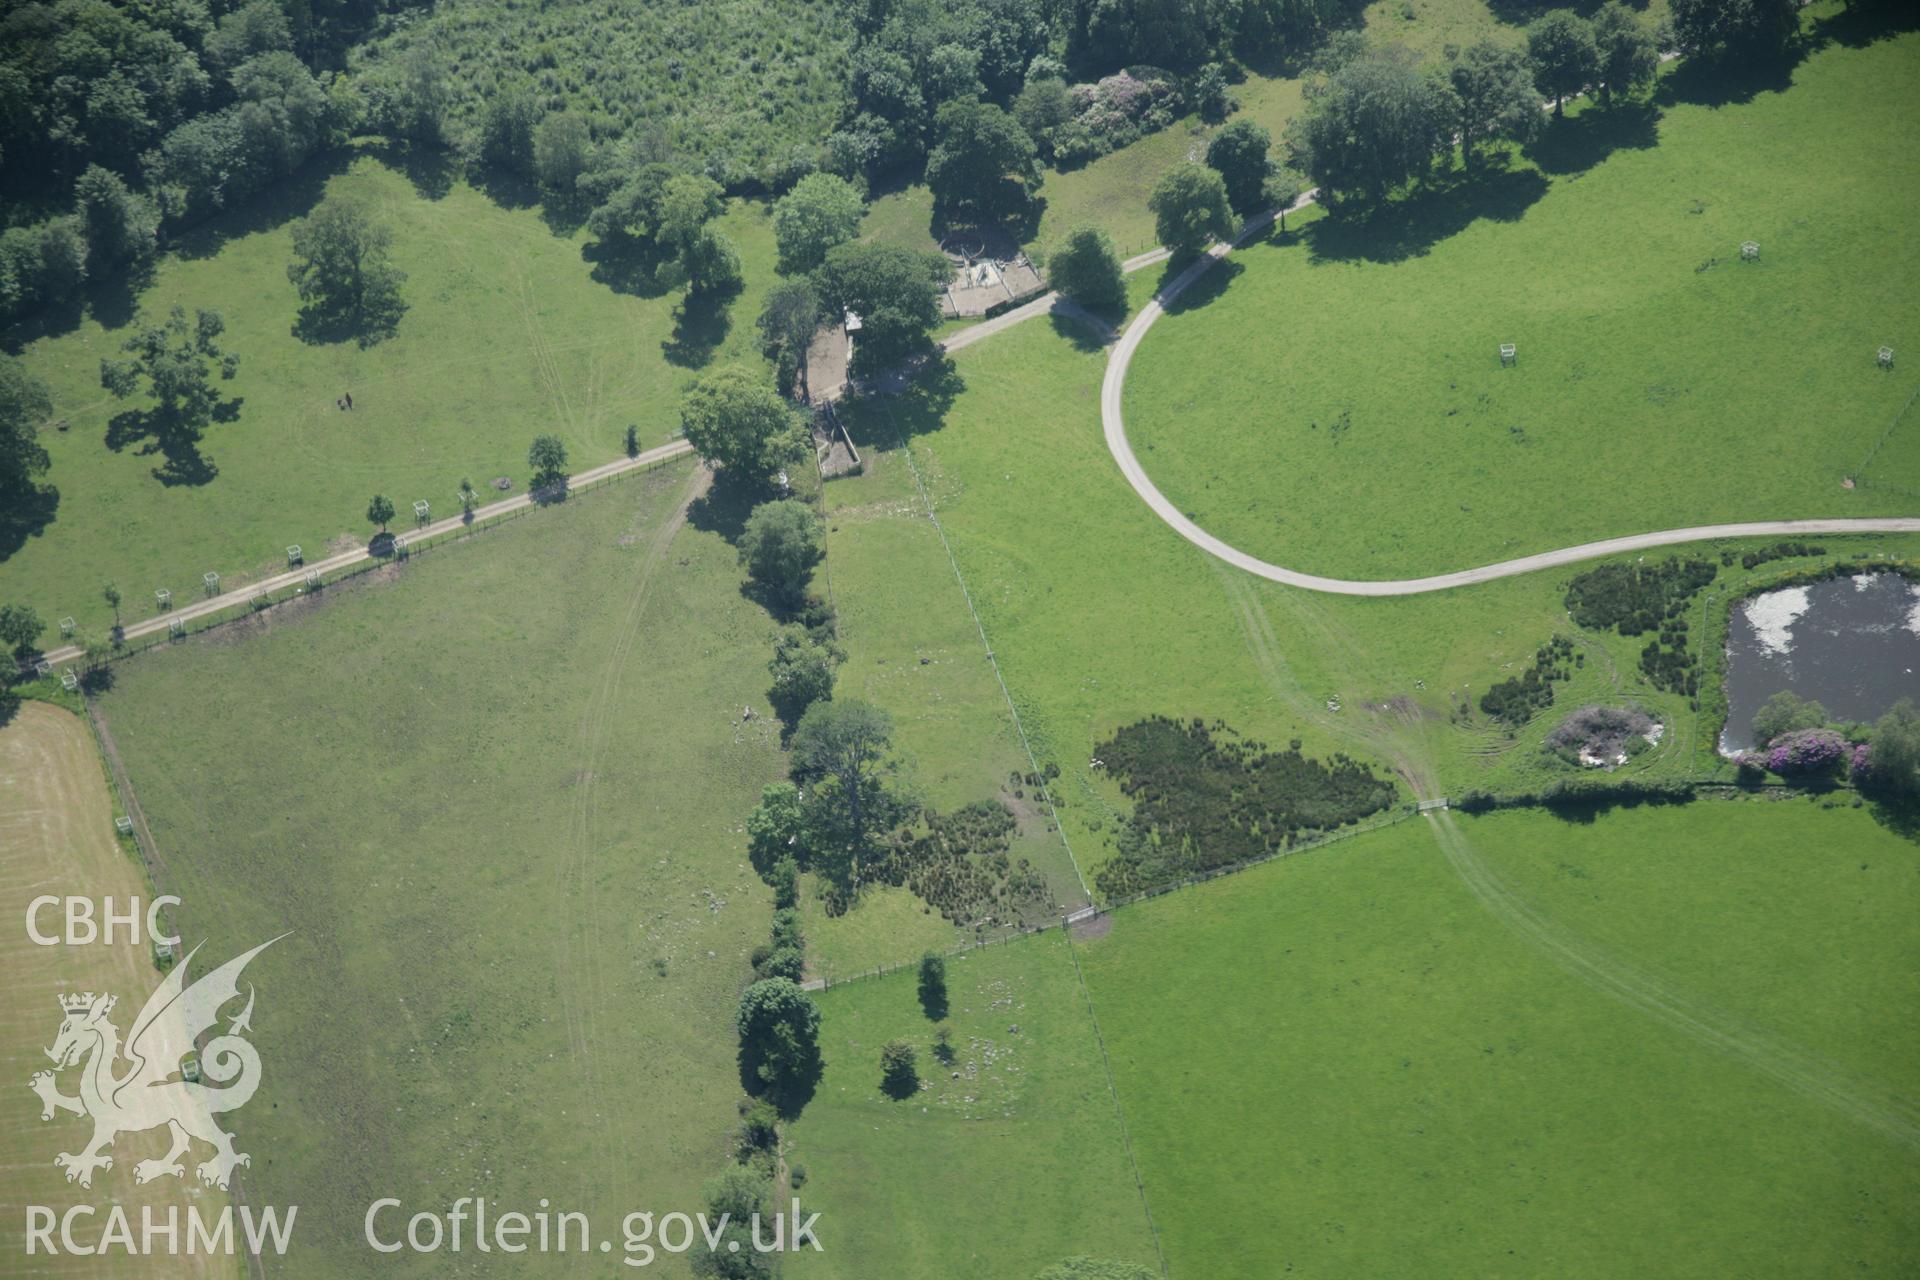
{"x": 507, "y": 335}
{"x": 1111, "y": 192}
{"x": 498, "y": 799}
{"x": 1660, "y": 381}
{"x": 1016, "y": 1163}
{"x": 914, "y": 650}
{"x": 1357, "y": 1068}
{"x": 1100, "y": 615}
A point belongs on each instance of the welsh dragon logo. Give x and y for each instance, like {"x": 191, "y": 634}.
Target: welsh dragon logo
{"x": 151, "y": 1091}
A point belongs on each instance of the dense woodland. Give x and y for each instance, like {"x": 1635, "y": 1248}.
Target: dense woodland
{"x": 121, "y": 124}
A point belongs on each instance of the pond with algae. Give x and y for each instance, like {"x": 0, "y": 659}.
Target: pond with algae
{"x": 1851, "y": 643}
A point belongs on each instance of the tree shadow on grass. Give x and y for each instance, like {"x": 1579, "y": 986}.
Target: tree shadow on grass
{"x": 1898, "y": 814}
{"x": 1731, "y": 80}
{"x": 625, "y": 266}
{"x": 1076, "y": 329}
{"x": 318, "y": 325}
{"x": 1520, "y": 13}
{"x": 1213, "y": 282}
{"x": 1584, "y": 811}
{"x": 919, "y": 409}
{"x": 25, "y": 512}
{"x": 1580, "y": 141}
{"x": 431, "y": 170}
{"x": 789, "y": 1098}
{"x": 176, "y": 443}
{"x": 504, "y": 187}
{"x": 290, "y": 198}
{"x": 1409, "y": 227}
{"x": 563, "y": 214}
{"x": 725, "y": 506}
{"x": 700, "y": 324}
{"x": 1865, "y": 22}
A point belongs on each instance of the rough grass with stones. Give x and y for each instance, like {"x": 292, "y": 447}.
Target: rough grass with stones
{"x": 1010, "y": 1156}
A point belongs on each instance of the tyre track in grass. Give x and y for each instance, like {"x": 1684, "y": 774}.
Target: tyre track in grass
{"x": 582, "y": 949}
{"x": 1890, "y": 1114}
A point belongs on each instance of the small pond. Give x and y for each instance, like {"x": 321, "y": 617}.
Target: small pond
{"x": 1851, "y": 643}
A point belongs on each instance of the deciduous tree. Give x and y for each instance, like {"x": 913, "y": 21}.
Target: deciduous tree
{"x": 803, "y": 670}
{"x": 1895, "y": 750}
{"x": 894, "y": 291}
{"x": 562, "y": 149}
{"x": 25, "y": 404}
{"x": 788, "y": 321}
{"x": 734, "y": 420}
{"x": 820, "y": 212}
{"x": 343, "y": 273}
{"x": 1373, "y": 124}
{"x": 780, "y": 546}
{"x": 1238, "y": 153}
{"x": 933, "y": 985}
{"x": 1493, "y": 97}
{"x": 506, "y": 131}
{"x": 547, "y": 455}
{"x": 1719, "y": 29}
{"x": 985, "y": 167}
{"x": 120, "y": 225}
{"x": 20, "y": 628}
{"x": 1560, "y": 47}
{"x": 1190, "y": 209}
{"x": 1625, "y": 49}
{"x": 1086, "y": 268}
{"x": 840, "y": 750}
{"x": 775, "y": 826}
{"x": 779, "y": 1038}
{"x": 1786, "y": 712}
{"x": 173, "y": 362}
{"x": 899, "y": 1071}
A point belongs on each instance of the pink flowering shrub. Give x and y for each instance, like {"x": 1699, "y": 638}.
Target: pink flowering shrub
{"x": 1807, "y": 751}
{"x": 1860, "y": 767}
{"x": 1115, "y": 111}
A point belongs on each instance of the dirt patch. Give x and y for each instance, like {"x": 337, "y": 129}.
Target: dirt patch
{"x": 1094, "y": 926}
{"x": 1403, "y": 708}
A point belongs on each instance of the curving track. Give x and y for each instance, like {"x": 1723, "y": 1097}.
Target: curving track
{"x": 1115, "y": 426}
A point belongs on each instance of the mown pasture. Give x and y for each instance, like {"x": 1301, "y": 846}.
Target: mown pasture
{"x": 1614, "y": 1063}
{"x": 497, "y": 795}
{"x": 1661, "y": 380}
{"x": 1010, "y": 1158}
{"x": 507, "y": 335}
